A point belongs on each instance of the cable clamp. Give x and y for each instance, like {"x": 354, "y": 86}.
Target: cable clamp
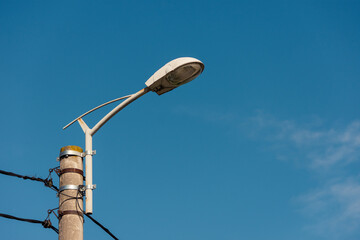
{"x": 88, "y": 153}
{"x": 46, "y": 223}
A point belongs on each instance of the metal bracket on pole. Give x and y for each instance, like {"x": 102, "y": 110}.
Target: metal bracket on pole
{"x": 90, "y": 186}
{"x": 88, "y": 153}
{"x": 69, "y": 187}
{"x": 84, "y": 187}
{"x": 81, "y": 188}
{"x": 70, "y": 153}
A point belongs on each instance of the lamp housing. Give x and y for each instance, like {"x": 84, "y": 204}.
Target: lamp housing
{"x": 174, "y": 74}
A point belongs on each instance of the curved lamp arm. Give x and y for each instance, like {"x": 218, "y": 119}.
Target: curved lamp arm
{"x": 88, "y": 141}
{"x": 90, "y": 111}
{"x": 117, "y": 109}
{"x": 129, "y": 99}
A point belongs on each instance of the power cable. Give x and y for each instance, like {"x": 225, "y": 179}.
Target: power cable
{"x": 99, "y": 224}
{"x": 92, "y": 219}
{"x": 48, "y": 182}
{"x": 46, "y": 223}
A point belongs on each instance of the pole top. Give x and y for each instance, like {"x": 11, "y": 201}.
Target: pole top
{"x": 72, "y": 148}
{"x": 70, "y": 151}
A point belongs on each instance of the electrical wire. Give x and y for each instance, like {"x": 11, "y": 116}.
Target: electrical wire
{"x": 47, "y": 181}
{"x": 100, "y": 225}
{"x": 46, "y": 223}
{"x": 92, "y": 219}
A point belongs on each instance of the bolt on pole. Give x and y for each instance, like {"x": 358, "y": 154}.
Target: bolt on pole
{"x": 71, "y": 219}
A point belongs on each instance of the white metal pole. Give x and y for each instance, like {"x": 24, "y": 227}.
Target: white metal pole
{"x": 88, "y": 173}
{"x": 88, "y": 146}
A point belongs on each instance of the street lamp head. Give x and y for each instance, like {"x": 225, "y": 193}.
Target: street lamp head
{"x": 174, "y": 74}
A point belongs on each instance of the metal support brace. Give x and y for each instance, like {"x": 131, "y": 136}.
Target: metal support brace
{"x": 75, "y": 153}
{"x": 82, "y": 188}
{"x": 71, "y": 153}
{"x": 69, "y": 187}
{"x": 93, "y": 152}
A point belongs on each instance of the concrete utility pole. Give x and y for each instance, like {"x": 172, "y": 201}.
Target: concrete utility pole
{"x": 70, "y": 199}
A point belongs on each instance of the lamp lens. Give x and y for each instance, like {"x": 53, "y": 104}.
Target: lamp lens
{"x": 184, "y": 74}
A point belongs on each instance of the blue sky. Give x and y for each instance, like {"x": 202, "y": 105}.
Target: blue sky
{"x": 265, "y": 144}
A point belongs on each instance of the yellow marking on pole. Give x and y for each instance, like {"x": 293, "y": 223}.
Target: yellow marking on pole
{"x": 71, "y": 147}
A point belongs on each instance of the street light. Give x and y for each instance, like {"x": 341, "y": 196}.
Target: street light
{"x": 172, "y": 75}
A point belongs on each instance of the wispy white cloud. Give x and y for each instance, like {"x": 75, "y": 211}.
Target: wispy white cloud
{"x": 334, "y": 207}
{"x": 325, "y": 148}
{"x": 334, "y": 210}
{"x": 322, "y": 147}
